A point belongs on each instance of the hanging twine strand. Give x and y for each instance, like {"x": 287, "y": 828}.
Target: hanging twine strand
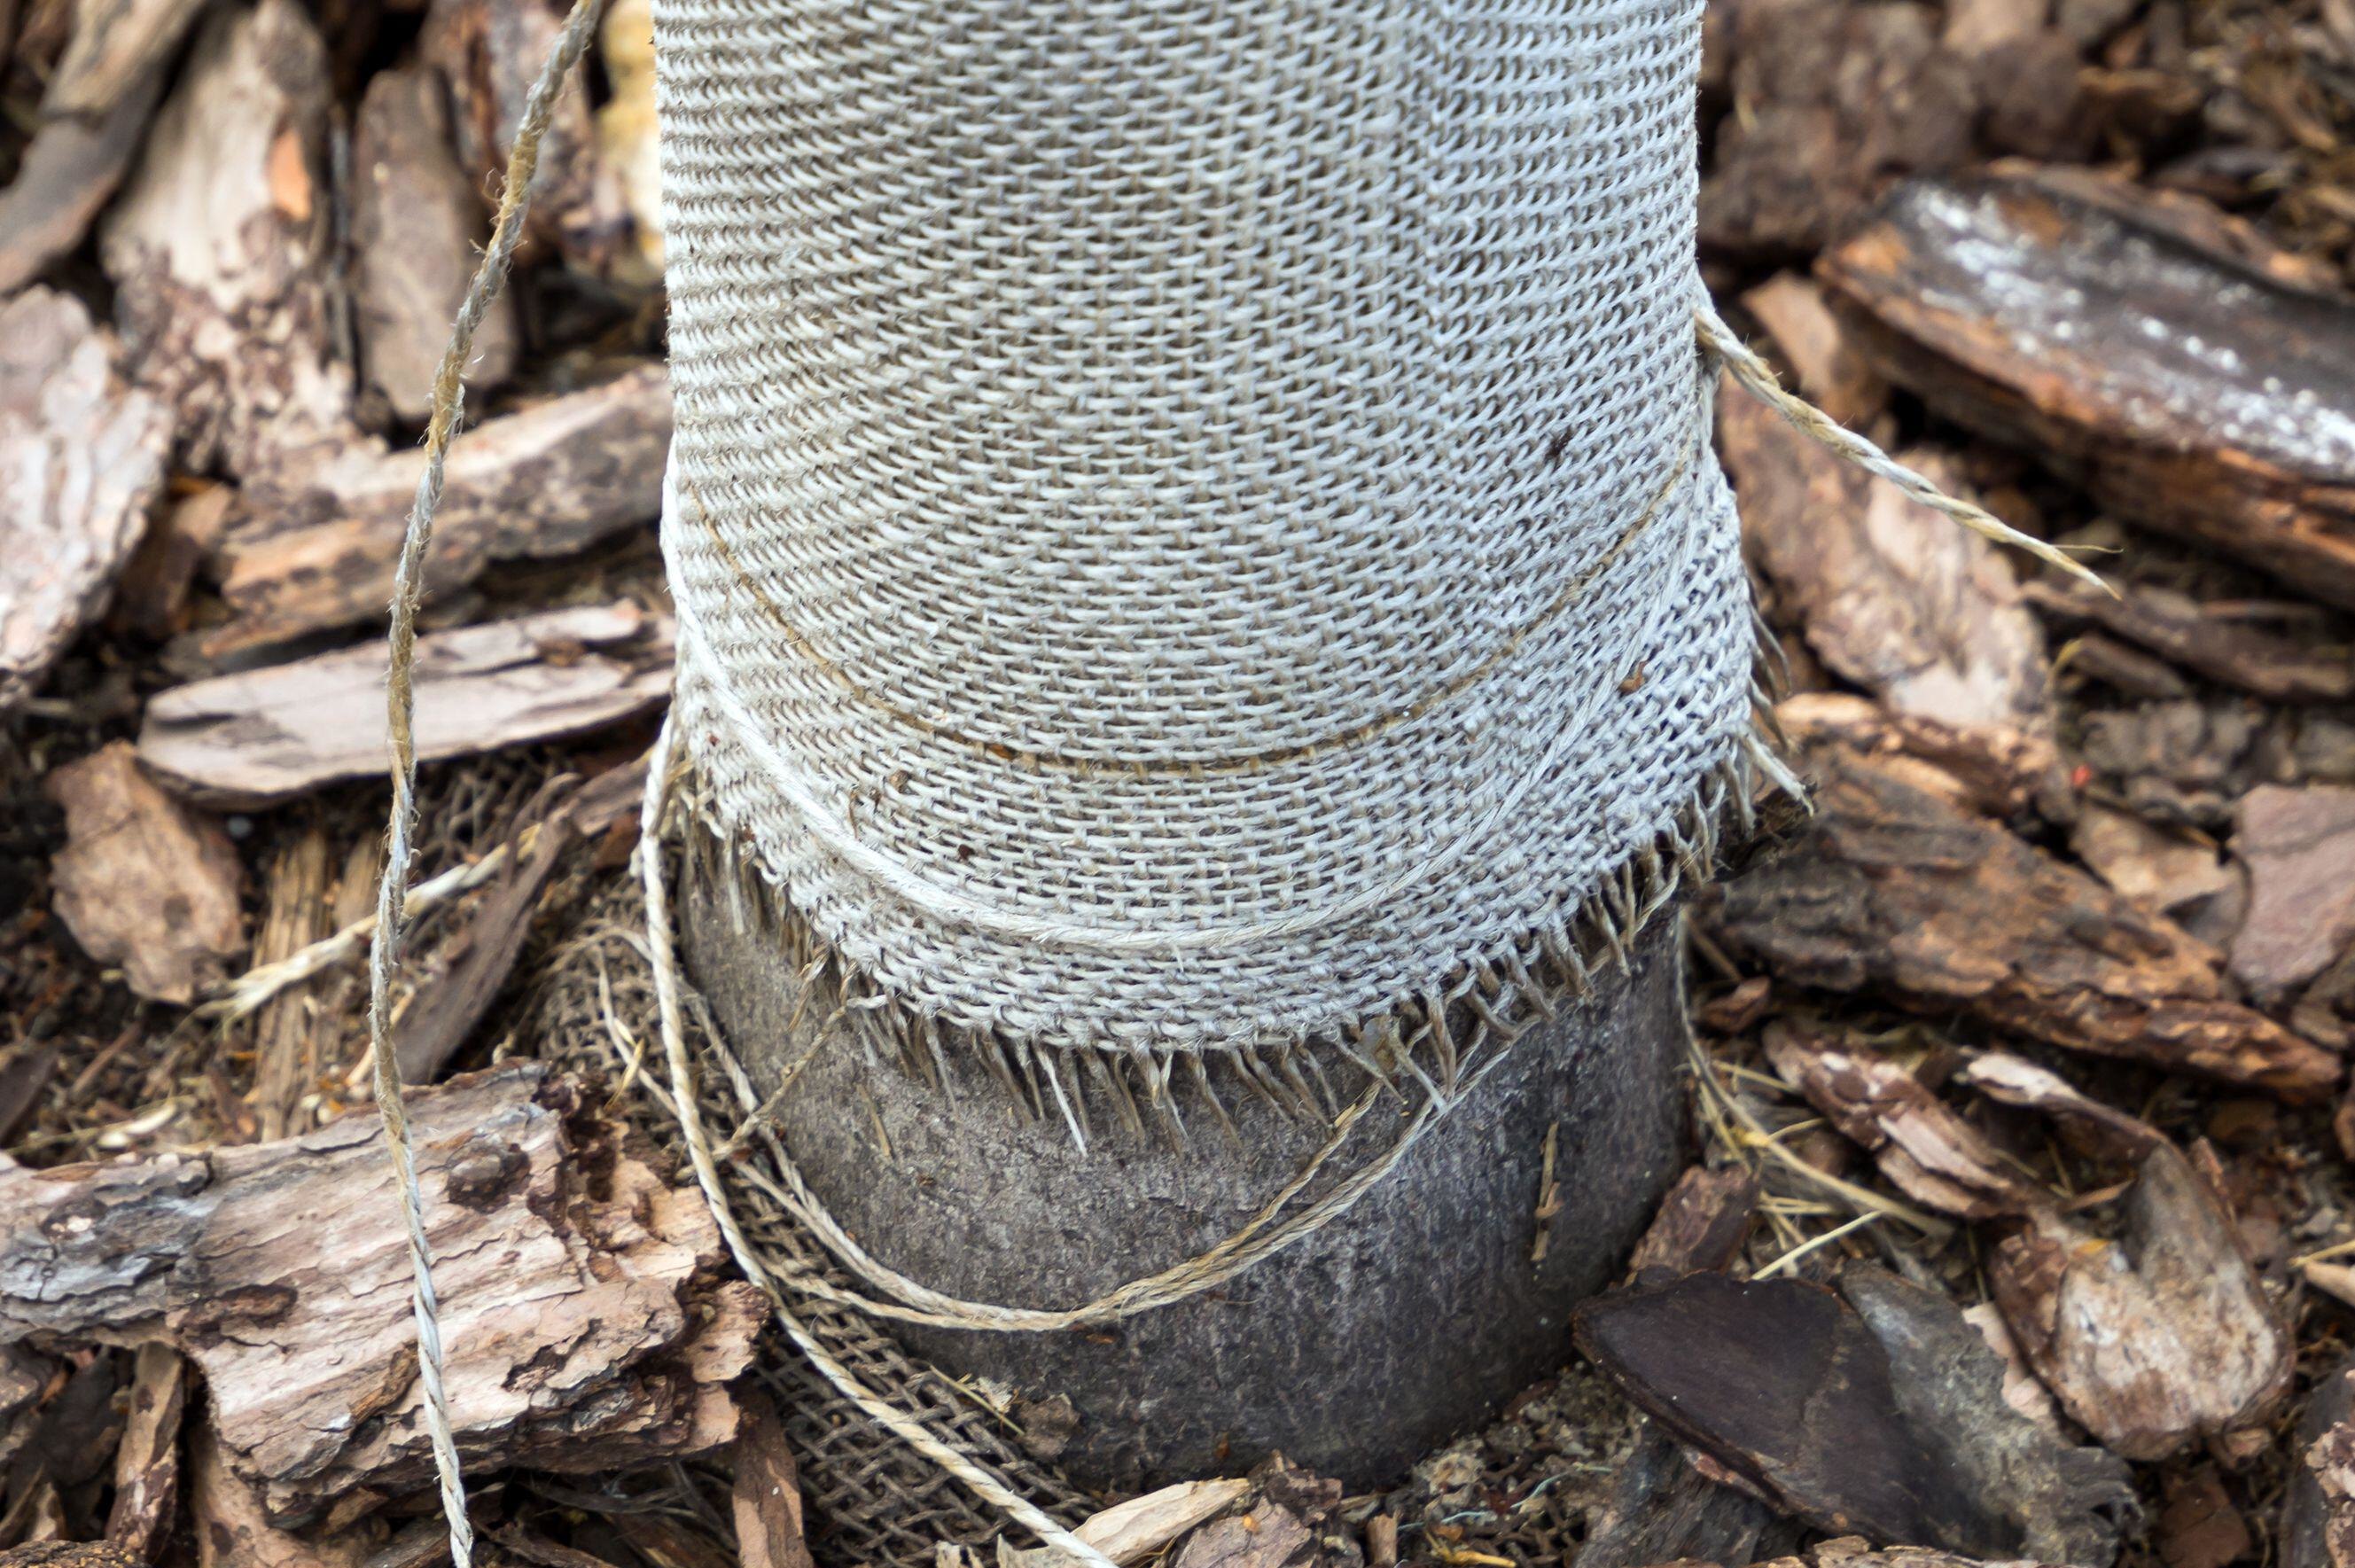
{"x": 1758, "y": 379}
{"x": 401, "y": 703}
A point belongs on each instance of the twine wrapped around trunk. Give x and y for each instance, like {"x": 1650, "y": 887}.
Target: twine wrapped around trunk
{"x": 1193, "y": 524}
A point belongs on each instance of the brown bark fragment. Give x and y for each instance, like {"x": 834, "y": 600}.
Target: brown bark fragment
{"x": 1702, "y": 1223}
{"x": 1874, "y": 1409}
{"x": 2159, "y": 869}
{"x": 84, "y": 456}
{"x": 147, "y": 1466}
{"x": 143, "y": 881}
{"x": 1925, "y": 1150}
{"x": 2299, "y": 846}
{"x": 2190, "y": 390}
{"x": 275, "y": 732}
{"x": 1995, "y": 770}
{"x": 65, "y": 180}
{"x": 489, "y": 51}
{"x": 1889, "y": 890}
{"x": 295, "y": 912}
{"x": 1829, "y": 98}
{"x": 585, "y": 1333}
{"x": 416, "y": 224}
{"x": 219, "y": 248}
{"x": 2157, "y": 1338}
{"x": 767, "y": 1497}
{"x": 312, "y": 551}
{"x": 117, "y": 45}
{"x": 1892, "y": 596}
{"x": 1814, "y": 341}
{"x": 2179, "y": 628}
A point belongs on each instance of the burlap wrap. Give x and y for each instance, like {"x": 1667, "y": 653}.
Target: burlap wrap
{"x": 1193, "y": 521}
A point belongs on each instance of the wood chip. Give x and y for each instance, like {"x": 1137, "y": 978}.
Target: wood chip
{"x": 416, "y": 222}
{"x": 2318, "y": 1526}
{"x": 1829, "y": 99}
{"x": 1995, "y": 770}
{"x": 1136, "y": 1531}
{"x": 275, "y": 732}
{"x": 2177, "y": 628}
{"x": 1925, "y": 1150}
{"x": 64, "y": 180}
{"x": 83, "y": 460}
{"x": 1663, "y": 1508}
{"x": 2156, "y": 1339}
{"x": 147, "y": 1466}
{"x": 313, "y": 549}
{"x": 1893, "y": 597}
{"x": 143, "y": 881}
{"x": 220, "y": 249}
{"x": 1814, "y": 342}
{"x": 585, "y": 1332}
{"x": 2192, "y": 390}
{"x": 1701, "y": 1224}
{"x": 766, "y": 1495}
{"x": 1875, "y": 1409}
{"x": 1890, "y": 890}
{"x": 2161, "y": 870}
{"x": 2299, "y": 846}
{"x": 489, "y": 52}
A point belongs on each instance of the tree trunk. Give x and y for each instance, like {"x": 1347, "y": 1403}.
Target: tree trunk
{"x": 1402, "y": 1324}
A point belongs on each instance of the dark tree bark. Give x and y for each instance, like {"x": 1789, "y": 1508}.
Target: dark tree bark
{"x": 1404, "y": 1322}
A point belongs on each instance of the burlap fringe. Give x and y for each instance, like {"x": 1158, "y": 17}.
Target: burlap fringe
{"x": 1434, "y": 1042}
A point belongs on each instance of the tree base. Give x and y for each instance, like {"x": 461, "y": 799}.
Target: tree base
{"x": 1399, "y": 1325}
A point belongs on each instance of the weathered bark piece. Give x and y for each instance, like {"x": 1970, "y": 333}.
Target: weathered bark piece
{"x": 143, "y": 881}
{"x": 312, "y": 551}
{"x": 1893, "y": 597}
{"x": 2178, "y": 627}
{"x": 68, "y": 1554}
{"x": 151, "y": 596}
{"x": 2141, "y": 860}
{"x": 1663, "y": 1510}
{"x": 2317, "y": 1528}
{"x": 116, "y": 46}
{"x": 1995, "y": 770}
{"x": 626, "y": 123}
{"x": 2299, "y": 846}
{"x": 1925, "y": 1150}
{"x": 490, "y": 51}
{"x": 1874, "y": 1409}
{"x": 65, "y": 180}
{"x": 81, "y": 461}
{"x": 220, "y": 250}
{"x": 274, "y": 732}
{"x": 295, "y": 912}
{"x": 1890, "y": 890}
{"x": 2099, "y": 1130}
{"x": 766, "y": 1496}
{"x": 449, "y": 1002}
{"x": 1829, "y": 99}
{"x": 233, "y": 1529}
{"x": 2156, "y": 1339}
{"x": 1815, "y": 342}
{"x": 2190, "y": 390}
{"x": 1702, "y": 1223}
{"x": 147, "y": 1466}
{"x": 416, "y": 223}
{"x": 584, "y": 1332}
{"x": 2197, "y": 1526}
{"x": 1289, "y": 1519}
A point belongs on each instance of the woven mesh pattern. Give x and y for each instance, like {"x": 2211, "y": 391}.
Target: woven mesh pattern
{"x": 1192, "y": 521}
